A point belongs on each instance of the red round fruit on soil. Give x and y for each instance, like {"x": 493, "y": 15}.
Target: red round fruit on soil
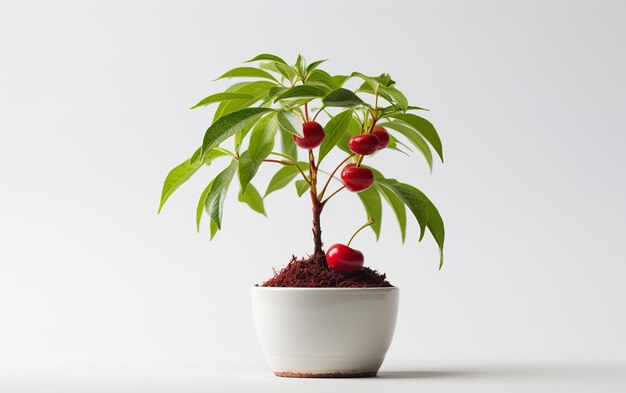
{"x": 344, "y": 259}
{"x": 383, "y": 137}
{"x": 364, "y": 144}
{"x": 357, "y": 178}
{"x": 313, "y": 135}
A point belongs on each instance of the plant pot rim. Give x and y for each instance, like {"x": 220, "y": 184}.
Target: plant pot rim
{"x": 304, "y": 289}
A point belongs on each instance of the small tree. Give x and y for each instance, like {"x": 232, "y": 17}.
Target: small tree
{"x": 285, "y": 101}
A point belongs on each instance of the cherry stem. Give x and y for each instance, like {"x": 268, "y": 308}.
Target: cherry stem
{"x": 306, "y": 112}
{"x": 333, "y": 194}
{"x": 368, "y": 223}
{"x": 318, "y": 112}
{"x": 332, "y": 174}
{"x": 306, "y": 179}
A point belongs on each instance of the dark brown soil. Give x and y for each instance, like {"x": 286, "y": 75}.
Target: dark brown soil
{"x": 305, "y": 273}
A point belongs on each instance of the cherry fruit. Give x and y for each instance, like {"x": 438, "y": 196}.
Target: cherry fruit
{"x": 383, "y": 137}
{"x": 344, "y": 259}
{"x": 357, "y": 178}
{"x": 313, "y": 135}
{"x": 364, "y": 144}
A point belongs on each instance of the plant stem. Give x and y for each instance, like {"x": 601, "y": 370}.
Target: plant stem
{"x": 321, "y": 195}
{"x": 368, "y": 223}
{"x": 278, "y": 162}
{"x": 333, "y": 194}
{"x": 318, "y": 253}
{"x": 306, "y": 111}
{"x": 318, "y": 112}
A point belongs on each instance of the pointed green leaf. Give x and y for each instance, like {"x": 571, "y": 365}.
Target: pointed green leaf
{"x": 288, "y": 146}
{"x": 301, "y": 187}
{"x": 253, "y": 199}
{"x": 226, "y": 126}
{"x": 322, "y": 78}
{"x": 314, "y": 65}
{"x": 425, "y": 128}
{"x": 397, "y": 96}
{"x": 398, "y": 207}
{"x": 340, "y": 79}
{"x": 289, "y": 122}
{"x": 181, "y": 173}
{"x": 373, "y": 208}
{"x": 301, "y": 66}
{"x": 266, "y": 56}
{"x": 342, "y": 98}
{"x": 287, "y": 71}
{"x": 221, "y": 97}
{"x": 411, "y": 199}
{"x": 257, "y": 89}
{"x": 214, "y": 229}
{"x": 284, "y": 176}
{"x": 247, "y": 72}
{"x": 300, "y": 91}
{"x": 335, "y": 130}
{"x": 261, "y": 145}
{"x": 214, "y": 204}
{"x": 354, "y": 128}
{"x": 413, "y": 136}
{"x": 201, "y": 202}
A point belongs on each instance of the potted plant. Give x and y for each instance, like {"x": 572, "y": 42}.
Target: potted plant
{"x": 325, "y": 315}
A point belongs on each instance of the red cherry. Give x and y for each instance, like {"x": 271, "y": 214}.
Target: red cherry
{"x": 344, "y": 259}
{"x": 313, "y": 135}
{"x": 364, "y": 144}
{"x": 383, "y": 137}
{"x": 357, "y": 178}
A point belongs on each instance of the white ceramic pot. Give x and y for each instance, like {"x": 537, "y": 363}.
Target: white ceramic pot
{"x": 325, "y": 332}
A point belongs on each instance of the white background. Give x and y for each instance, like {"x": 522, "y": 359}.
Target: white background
{"x": 97, "y": 292}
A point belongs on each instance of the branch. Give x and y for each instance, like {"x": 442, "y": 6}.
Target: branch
{"x": 333, "y": 174}
{"x": 333, "y": 194}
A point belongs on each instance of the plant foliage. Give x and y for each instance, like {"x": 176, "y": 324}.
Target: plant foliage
{"x": 261, "y": 114}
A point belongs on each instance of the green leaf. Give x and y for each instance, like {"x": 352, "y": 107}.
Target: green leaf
{"x": 323, "y": 78}
{"x": 201, "y": 202}
{"x": 398, "y": 207}
{"x": 247, "y": 72}
{"x": 339, "y": 80}
{"x": 288, "y": 146}
{"x": 335, "y": 130}
{"x": 343, "y": 98}
{"x": 301, "y": 187}
{"x": 214, "y": 204}
{"x": 414, "y": 137}
{"x": 301, "y": 66}
{"x": 214, "y": 229}
{"x": 411, "y": 199}
{"x": 287, "y": 71}
{"x": 221, "y": 97}
{"x": 314, "y": 65}
{"x": 373, "y": 208}
{"x": 252, "y": 197}
{"x": 284, "y": 176}
{"x": 261, "y": 145}
{"x": 181, "y": 173}
{"x": 241, "y": 135}
{"x": 257, "y": 89}
{"x": 226, "y": 126}
{"x": 289, "y": 122}
{"x": 425, "y": 128}
{"x": 300, "y": 91}
{"x": 422, "y": 208}
{"x": 354, "y": 128}
{"x": 397, "y": 96}
{"x": 371, "y": 82}
{"x": 266, "y": 56}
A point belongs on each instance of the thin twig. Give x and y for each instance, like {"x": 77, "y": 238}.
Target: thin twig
{"x": 333, "y": 194}
{"x": 333, "y": 174}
